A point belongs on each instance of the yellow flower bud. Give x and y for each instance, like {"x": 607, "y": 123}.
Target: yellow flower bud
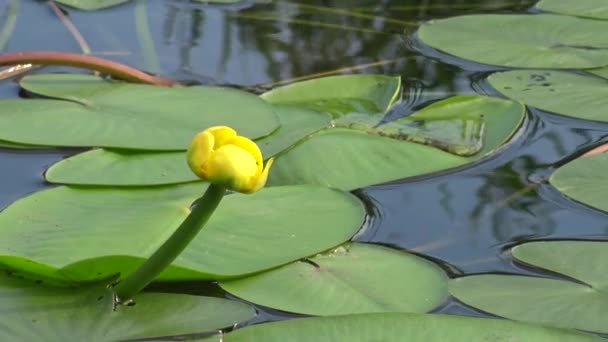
{"x": 218, "y": 155}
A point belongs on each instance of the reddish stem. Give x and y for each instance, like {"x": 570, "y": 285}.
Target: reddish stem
{"x": 116, "y": 70}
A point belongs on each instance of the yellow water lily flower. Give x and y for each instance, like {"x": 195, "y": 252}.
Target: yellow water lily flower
{"x": 218, "y": 155}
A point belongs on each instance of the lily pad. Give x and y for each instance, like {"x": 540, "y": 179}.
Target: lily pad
{"x": 603, "y": 72}
{"x": 402, "y": 327}
{"x": 521, "y": 40}
{"x": 94, "y": 112}
{"x": 564, "y": 93}
{"x": 84, "y": 234}
{"x": 558, "y": 302}
{"x": 32, "y": 313}
{"x": 349, "y": 279}
{"x": 122, "y": 168}
{"x": 584, "y": 179}
{"x": 133, "y": 168}
{"x": 349, "y": 159}
{"x": 339, "y": 95}
{"x": 597, "y": 9}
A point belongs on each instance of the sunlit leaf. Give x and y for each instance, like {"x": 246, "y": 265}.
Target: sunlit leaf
{"x": 94, "y": 112}
{"x": 34, "y": 313}
{"x": 564, "y": 93}
{"x": 402, "y": 327}
{"x": 597, "y": 9}
{"x": 80, "y": 234}
{"x": 349, "y": 279}
{"x": 338, "y": 95}
{"x": 521, "y": 40}
{"x": 349, "y": 159}
{"x": 585, "y": 180}
{"x": 559, "y": 302}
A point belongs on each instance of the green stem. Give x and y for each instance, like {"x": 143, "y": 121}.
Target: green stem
{"x": 169, "y": 251}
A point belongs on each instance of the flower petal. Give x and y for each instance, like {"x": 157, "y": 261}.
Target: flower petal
{"x": 222, "y": 135}
{"x": 251, "y": 147}
{"x": 199, "y": 151}
{"x": 232, "y": 167}
{"x": 261, "y": 179}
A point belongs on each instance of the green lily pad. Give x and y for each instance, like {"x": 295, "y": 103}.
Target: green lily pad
{"x": 506, "y": 40}
{"x": 349, "y": 279}
{"x": 84, "y": 234}
{"x": 349, "y": 159}
{"x": 402, "y": 327}
{"x": 564, "y": 93}
{"x": 94, "y": 112}
{"x": 31, "y": 313}
{"x": 296, "y": 124}
{"x": 122, "y": 168}
{"x": 556, "y": 302}
{"x": 339, "y": 95}
{"x": 603, "y": 72}
{"x": 134, "y": 168}
{"x": 597, "y": 9}
{"x": 8, "y": 144}
{"x": 584, "y": 179}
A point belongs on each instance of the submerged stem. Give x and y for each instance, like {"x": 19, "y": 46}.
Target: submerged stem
{"x": 172, "y": 248}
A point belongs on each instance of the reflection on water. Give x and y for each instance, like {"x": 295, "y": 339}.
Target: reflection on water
{"x": 465, "y": 219}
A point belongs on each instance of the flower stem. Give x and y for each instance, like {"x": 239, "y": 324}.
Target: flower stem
{"x": 172, "y": 248}
{"x": 117, "y": 70}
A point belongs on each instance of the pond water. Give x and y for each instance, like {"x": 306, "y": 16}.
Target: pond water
{"x": 464, "y": 219}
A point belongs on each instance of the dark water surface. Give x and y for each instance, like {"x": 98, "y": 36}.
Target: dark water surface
{"x": 465, "y": 219}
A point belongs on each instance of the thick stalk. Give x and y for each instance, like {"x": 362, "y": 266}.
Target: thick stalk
{"x": 170, "y": 249}
{"x": 116, "y": 70}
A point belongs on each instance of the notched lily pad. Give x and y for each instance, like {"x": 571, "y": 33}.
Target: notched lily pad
{"x": 581, "y": 305}
{"x": 85, "y": 234}
{"x": 32, "y": 313}
{"x": 402, "y": 327}
{"x": 91, "y": 111}
{"x": 597, "y": 9}
{"x": 339, "y": 95}
{"x": 353, "y": 278}
{"x": 585, "y": 180}
{"x": 579, "y": 96}
{"x": 506, "y": 40}
{"x": 349, "y": 159}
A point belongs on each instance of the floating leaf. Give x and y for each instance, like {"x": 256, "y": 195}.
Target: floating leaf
{"x": 564, "y": 93}
{"x": 296, "y": 124}
{"x": 94, "y": 112}
{"x": 82, "y": 234}
{"x": 122, "y": 167}
{"x": 31, "y": 313}
{"x": 349, "y": 159}
{"x": 349, "y": 279}
{"x": 340, "y": 95}
{"x": 557, "y": 41}
{"x": 555, "y": 302}
{"x": 597, "y": 9}
{"x": 457, "y": 133}
{"x": 585, "y": 180}
{"x": 133, "y": 168}
{"x": 402, "y": 327}
{"x": 602, "y": 72}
